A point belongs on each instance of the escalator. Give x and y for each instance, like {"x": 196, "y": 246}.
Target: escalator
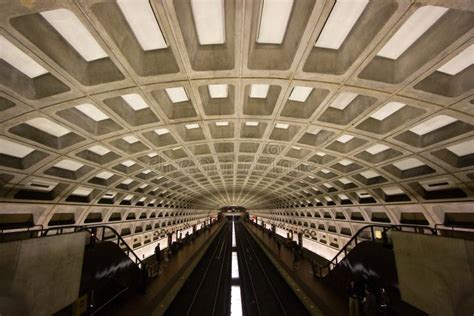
{"x": 369, "y": 261}
{"x": 107, "y": 272}
{"x": 110, "y": 268}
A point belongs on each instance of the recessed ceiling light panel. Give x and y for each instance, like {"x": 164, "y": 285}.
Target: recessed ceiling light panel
{"x": 413, "y": 28}
{"x": 342, "y": 19}
{"x": 300, "y": 94}
{"x": 19, "y": 60}
{"x": 144, "y": 25}
{"x": 274, "y": 20}
{"x": 209, "y": 20}
{"x": 259, "y": 91}
{"x": 218, "y": 91}
{"x": 75, "y": 33}
{"x": 177, "y": 94}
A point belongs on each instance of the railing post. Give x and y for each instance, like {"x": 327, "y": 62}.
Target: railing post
{"x": 372, "y": 232}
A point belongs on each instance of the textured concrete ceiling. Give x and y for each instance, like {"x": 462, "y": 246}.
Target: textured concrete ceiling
{"x": 372, "y": 131}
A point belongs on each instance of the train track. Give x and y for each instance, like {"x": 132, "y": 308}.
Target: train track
{"x": 264, "y": 291}
{"x": 207, "y": 290}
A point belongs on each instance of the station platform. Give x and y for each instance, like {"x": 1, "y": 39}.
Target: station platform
{"x": 162, "y": 289}
{"x": 325, "y": 299}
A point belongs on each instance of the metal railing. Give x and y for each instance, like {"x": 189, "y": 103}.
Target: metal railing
{"x": 97, "y": 233}
{"x": 368, "y": 233}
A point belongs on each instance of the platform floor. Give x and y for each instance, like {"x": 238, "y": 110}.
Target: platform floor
{"x": 325, "y": 298}
{"x": 159, "y": 287}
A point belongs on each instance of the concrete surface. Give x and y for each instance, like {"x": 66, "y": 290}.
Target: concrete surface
{"x": 436, "y": 274}
{"x": 42, "y": 275}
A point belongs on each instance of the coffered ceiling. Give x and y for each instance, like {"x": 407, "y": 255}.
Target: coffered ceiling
{"x": 262, "y": 104}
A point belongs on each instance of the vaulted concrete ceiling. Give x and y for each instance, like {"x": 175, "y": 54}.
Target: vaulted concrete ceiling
{"x": 239, "y": 102}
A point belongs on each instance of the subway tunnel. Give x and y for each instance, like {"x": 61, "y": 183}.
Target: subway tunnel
{"x": 226, "y": 157}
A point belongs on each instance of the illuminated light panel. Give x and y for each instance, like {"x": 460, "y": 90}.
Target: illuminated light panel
{"x": 209, "y": 20}
{"x": 408, "y": 163}
{"x": 130, "y": 139}
{"x": 259, "y": 91}
{"x": 128, "y": 163}
{"x": 342, "y": 19}
{"x": 19, "y": 60}
{"x": 342, "y": 196}
{"x": 251, "y": 123}
{"x": 320, "y": 154}
{"x": 392, "y": 190}
{"x": 363, "y": 194}
{"x": 144, "y": 25}
{"x": 68, "y": 164}
{"x": 413, "y": 28}
{"x": 345, "y": 138}
{"x": 192, "y": 126}
{"x": 345, "y": 181}
{"x": 92, "y": 112}
{"x": 459, "y": 63}
{"x": 151, "y": 155}
{"x": 300, "y": 94}
{"x": 14, "y": 149}
{"x": 325, "y": 171}
{"x": 235, "y": 301}
{"x": 104, "y": 175}
{"x": 218, "y": 91}
{"x": 162, "y": 131}
{"x": 346, "y": 162}
{"x": 128, "y": 197}
{"x": 274, "y": 21}
{"x": 235, "y": 263}
{"x": 432, "y": 124}
{"x": 82, "y": 191}
{"x": 462, "y": 149}
{"x": 177, "y": 94}
{"x": 147, "y": 172}
{"x": 222, "y": 123}
{"x": 295, "y": 148}
{"x": 378, "y": 148}
{"x": 99, "y": 150}
{"x": 387, "y": 110}
{"x": 369, "y": 174}
{"x": 313, "y": 130}
{"x": 127, "y": 181}
{"x": 343, "y": 100}
{"x": 282, "y": 125}
{"x": 75, "y": 33}
{"x": 135, "y": 101}
{"x": 48, "y": 126}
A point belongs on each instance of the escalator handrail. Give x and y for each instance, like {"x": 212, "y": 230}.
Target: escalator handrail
{"x": 334, "y": 261}
{"x": 138, "y": 261}
{"x": 43, "y": 232}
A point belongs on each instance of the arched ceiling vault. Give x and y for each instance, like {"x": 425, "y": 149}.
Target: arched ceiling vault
{"x": 314, "y": 103}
